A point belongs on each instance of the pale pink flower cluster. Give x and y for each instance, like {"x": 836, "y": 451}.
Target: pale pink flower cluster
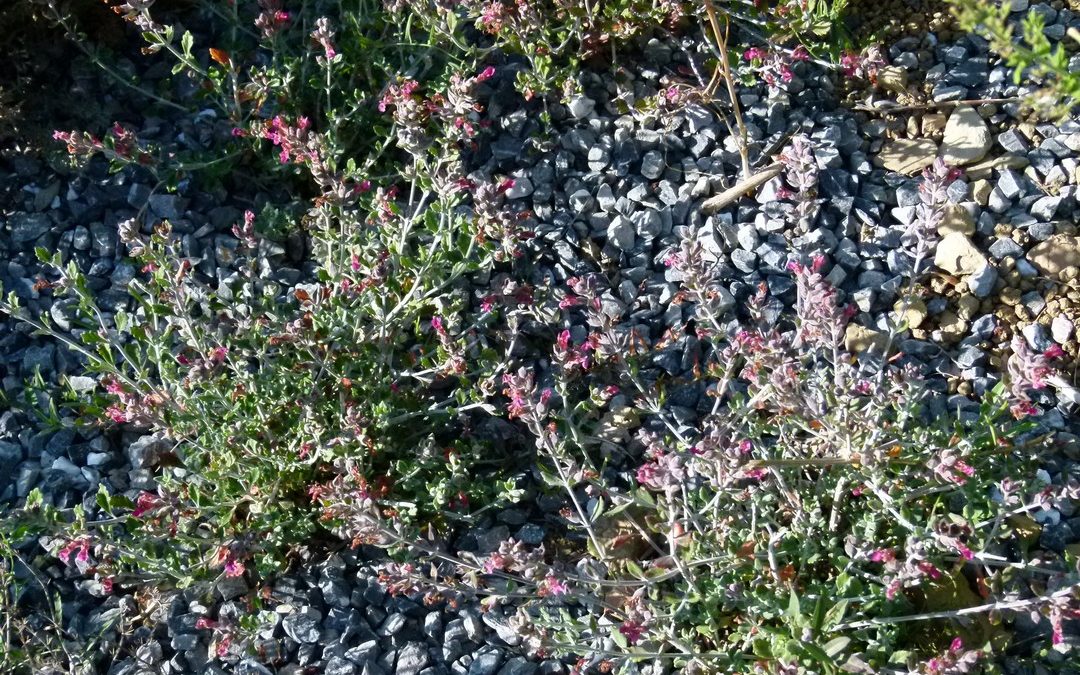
{"x": 513, "y": 557}
{"x": 521, "y": 390}
{"x": 922, "y": 233}
{"x": 821, "y": 319}
{"x": 909, "y": 572}
{"x": 521, "y": 17}
{"x": 324, "y": 36}
{"x": 864, "y": 65}
{"x": 78, "y": 142}
{"x": 663, "y": 471}
{"x": 1028, "y": 370}
{"x": 494, "y": 222}
{"x": 954, "y": 661}
{"x": 295, "y": 141}
{"x": 950, "y": 468}
{"x": 272, "y": 19}
{"x": 800, "y": 167}
{"x": 80, "y": 548}
{"x": 138, "y": 13}
{"x": 774, "y": 66}
{"x": 245, "y": 231}
{"x": 452, "y": 352}
{"x": 132, "y": 407}
{"x": 638, "y": 618}
{"x": 570, "y": 357}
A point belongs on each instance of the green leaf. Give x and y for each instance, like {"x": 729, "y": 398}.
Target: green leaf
{"x": 837, "y": 645}
{"x": 34, "y": 499}
{"x": 835, "y": 615}
{"x": 102, "y": 497}
{"x": 186, "y": 42}
{"x": 794, "y": 610}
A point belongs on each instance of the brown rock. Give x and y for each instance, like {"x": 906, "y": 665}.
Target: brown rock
{"x": 893, "y": 79}
{"x": 967, "y": 139}
{"x": 933, "y": 124}
{"x": 1056, "y": 254}
{"x": 980, "y": 191}
{"x": 908, "y": 155}
{"x": 984, "y": 168}
{"x": 859, "y": 339}
{"x": 956, "y": 219}
{"x": 957, "y": 255}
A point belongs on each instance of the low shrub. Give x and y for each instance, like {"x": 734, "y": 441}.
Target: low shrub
{"x": 829, "y": 513}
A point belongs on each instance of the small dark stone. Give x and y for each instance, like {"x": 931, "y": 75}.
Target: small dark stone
{"x": 301, "y": 628}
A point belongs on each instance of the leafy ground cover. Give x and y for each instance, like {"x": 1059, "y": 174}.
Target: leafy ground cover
{"x": 598, "y": 273}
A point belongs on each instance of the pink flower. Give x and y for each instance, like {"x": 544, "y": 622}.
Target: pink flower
{"x": 107, "y": 585}
{"x": 957, "y": 645}
{"x": 552, "y": 586}
{"x": 964, "y": 468}
{"x": 849, "y": 64}
{"x": 217, "y": 354}
{"x": 646, "y": 473}
{"x": 928, "y": 569}
{"x": 892, "y": 589}
{"x": 632, "y": 630}
{"x": 1023, "y": 409}
{"x": 564, "y": 340}
{"x": 487, "y": 303}
{"x": 116, "y": 414}
{"x": 234, "y": 568}
{"x": 205, "y": 623}
{"x": 800, "y": 54}
{"x": 569, "y": 301}
{"x": 1054, "y": 352}
{"x": 80, "y": 547}
{"x": 145, "y": 502}
{"x": 754, "y": 53}
{"x": 486, "y": 73}
{"x": 883, "y": 555}
{"x": 223, "y": 646}
{"x": 437, "y": 325}
{"x": 324, "y": 36}
{"x": 494, "y": 563}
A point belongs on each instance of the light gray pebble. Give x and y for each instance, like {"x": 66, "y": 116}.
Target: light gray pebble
{"x": 1045, "y": 208}
{"x": 652, "y": 165}
{"x": 598, "y": 158}
{"x": 412, "y": 658}
{"x": 581, "y": 106}
{"x": 1036, "y": 337}
{"x": 301, "y": 627}
{"x": 1004, "y": 247}
{"x": 1061, "y": 328}
{"x": 982, "y": 281}
{"x": 486, "y": 663}
{"x": 621, "y": 233}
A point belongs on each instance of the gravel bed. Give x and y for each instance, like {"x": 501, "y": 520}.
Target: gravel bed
{"x": 610, "y": 192}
